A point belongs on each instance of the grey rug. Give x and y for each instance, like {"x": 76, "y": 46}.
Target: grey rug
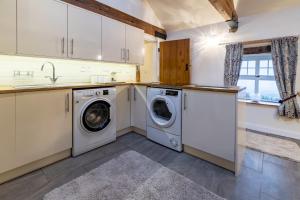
{"x": 131, "y": 176}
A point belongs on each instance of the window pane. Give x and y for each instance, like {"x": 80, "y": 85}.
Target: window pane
{"x": 250, "y": 90}
{"x": 271, "y": 71}
{"x": 263, "y": 71}
{"x": 268, "y": 91}
{"x": 243, "y": 71}
{"x": 244, "y": 64}
{"x": 264, "y": 63}
{"x": 251, "y": 71}
{"x": 270, "y": 63}
{"x": 251, "y": 64}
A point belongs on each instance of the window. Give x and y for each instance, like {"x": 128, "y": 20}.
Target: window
{"x": 257, "y": 74}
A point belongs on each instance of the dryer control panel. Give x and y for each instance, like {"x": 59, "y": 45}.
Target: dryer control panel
{"x": 171, "y": 93}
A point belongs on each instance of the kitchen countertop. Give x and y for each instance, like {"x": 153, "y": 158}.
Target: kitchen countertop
{"x": 32, "y": 88}
{"x": 194, "y": 87}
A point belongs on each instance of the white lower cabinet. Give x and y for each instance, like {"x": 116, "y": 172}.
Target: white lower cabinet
{"x": 43, "y": 124}
{"x": 7, "y": 132}
{"x": 209, "y": 122}
{"x": 139, "y": 106}
{"x": 123, "y": 107}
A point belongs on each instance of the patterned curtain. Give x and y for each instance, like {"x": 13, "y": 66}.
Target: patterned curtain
{"x": 233, "y": 61}
{"x": 284, "y": 54}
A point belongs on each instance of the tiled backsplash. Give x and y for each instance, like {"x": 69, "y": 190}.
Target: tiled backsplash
{"x": 70, "y": 71}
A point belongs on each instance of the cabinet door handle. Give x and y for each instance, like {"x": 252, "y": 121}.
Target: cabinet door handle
{"x": 128, "y": 93}
{"x": 128, "y": 55}
{"x": 67, "y": 102}
{"x": 123, "y": 54}
{"x": 134, "y": 94}
{"x": 184, "y": 101}
{"x": 63, "y": 45}
{"x": 72, "y": 46}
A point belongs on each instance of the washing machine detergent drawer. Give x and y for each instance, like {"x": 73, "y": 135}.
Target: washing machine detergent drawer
{"x": 164, "y": 138}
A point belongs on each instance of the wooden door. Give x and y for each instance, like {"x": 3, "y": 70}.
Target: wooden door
{"x": 175, "y": 62}
{"x": 134, "y": 45}
{"x": 42, "y": 28}
{"x": 8, "y": 26}
{"x": 84, "y": 34}
{"x": 123, "y": 107}
{"x": 113, "y": 40}
{"x": 43, "y": 124}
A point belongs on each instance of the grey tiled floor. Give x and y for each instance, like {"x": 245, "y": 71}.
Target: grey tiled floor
{"x": 263, "y": 177}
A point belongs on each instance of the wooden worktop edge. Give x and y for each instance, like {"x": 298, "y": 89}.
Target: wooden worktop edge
{"x": 7, "y": 90}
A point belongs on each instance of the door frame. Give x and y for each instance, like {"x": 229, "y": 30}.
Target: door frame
{"x": 155, "y": 41}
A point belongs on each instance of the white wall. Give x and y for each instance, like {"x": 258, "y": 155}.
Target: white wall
{"x": 71, "y": 71}
{"x": 208, "y": 60}
{"x": 137, "y": 8}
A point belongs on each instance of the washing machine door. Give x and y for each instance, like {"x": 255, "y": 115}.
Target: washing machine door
{"x": 95, "y": 116}
{"x": 162, "y": 111}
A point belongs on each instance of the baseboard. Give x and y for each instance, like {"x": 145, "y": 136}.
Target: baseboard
{"x": 9, "y": 175}
{"x": 139, "y": 131}
{"x": 131, "y": 129}
{"x": 124, "y": 131}
{"x": 274, "y": 131}
{"x": 210, "y": 158}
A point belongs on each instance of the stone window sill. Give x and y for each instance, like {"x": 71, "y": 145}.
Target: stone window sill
{"x": 260, "y": 103}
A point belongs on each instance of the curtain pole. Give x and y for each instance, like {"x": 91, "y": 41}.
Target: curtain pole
{"x": 261, "y": 41}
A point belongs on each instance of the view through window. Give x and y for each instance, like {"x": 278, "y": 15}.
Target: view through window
{"x": 257, "y": 74}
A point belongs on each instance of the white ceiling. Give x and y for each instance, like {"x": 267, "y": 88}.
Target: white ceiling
{"x": 254, "y": 7}
{"x": 184, "y": 14}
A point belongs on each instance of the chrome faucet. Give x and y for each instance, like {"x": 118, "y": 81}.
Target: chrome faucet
{"x": 54, "y": 78}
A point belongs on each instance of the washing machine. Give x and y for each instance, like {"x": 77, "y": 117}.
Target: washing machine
{"x": 164, "y": 117}
{"x": 94, "y": 119}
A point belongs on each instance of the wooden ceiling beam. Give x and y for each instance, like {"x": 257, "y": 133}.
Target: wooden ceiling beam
{"x": 113, "y": 13}
{"x": 227, "y": 10}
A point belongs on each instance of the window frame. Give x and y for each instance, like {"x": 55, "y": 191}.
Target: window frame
{"x": 257, "y": 77}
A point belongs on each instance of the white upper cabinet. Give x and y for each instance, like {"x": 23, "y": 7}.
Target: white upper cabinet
{"x": 42, "y": 28}
{"x": 113, "y": 40}
{"x": 8, "y": 26}
{"x": 52, "y": 28}
{"x": 134, "y": 45}
{"x": 84, "y": 34}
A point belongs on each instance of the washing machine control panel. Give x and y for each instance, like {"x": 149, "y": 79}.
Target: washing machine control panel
{"x": 105, "y": 92}
{"x": 90, "y": 93}
{"x": 171, "y": 93}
